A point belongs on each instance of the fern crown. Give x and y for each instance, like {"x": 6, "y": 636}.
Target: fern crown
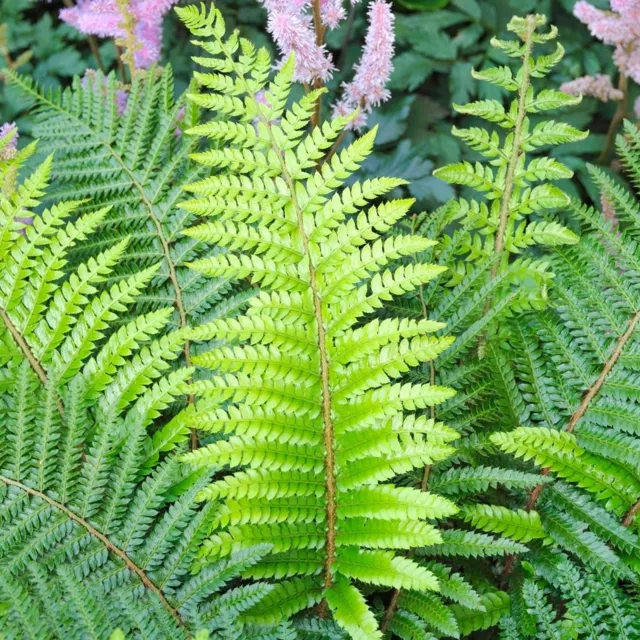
{"x": 516, "y": 187}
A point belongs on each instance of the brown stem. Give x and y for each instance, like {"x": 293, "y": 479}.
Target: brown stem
{"x": 630, "y": 516}
{"x": 392, "y": 607}
{"x": 618, "y": 117}
{"x": 93, "y": 42}
{"x": 121, "y": 69}
{"x": 327, "y": 418}
{"x": 334, "y": 147}
{"x": 28, "y": 353}
{"x": 316, "y": 119}
{"x": 93, "y": 45}
{"x": 591, "y": 393}
{"x": 606, "y": 369}
{"x": 116, "y": 551}
{"x": 516, "y": 151}
{"x": 328, "y": 431}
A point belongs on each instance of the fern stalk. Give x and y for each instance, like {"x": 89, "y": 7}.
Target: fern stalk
{"x": 25, "y": 348}
{"x": 630, "y": 516}
{"x": 516, "y": 152}
{"x": 117, "y": 551}
{"x": 589, "y": 396}
{"x": 616, "y": 121}
{"x": 328, "y": 432}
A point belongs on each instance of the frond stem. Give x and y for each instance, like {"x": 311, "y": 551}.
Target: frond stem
{"x": 28, "y": 354}
{"x": 116, "y": 551}
{"x": 516, "y": 150}
{"x": 328, "y": 430}
{"x": 316, "y": 119}
{"x": 630, "y": 516}
{"x": 606, "y": 369}
{"x": 579, "y": 413}
{"x": 618, "y": 117}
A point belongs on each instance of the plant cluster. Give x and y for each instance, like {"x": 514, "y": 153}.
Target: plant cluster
{"x": 248, "y": 390}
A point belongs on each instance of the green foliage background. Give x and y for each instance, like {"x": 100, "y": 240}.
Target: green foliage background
{"x": 437, "y": 44}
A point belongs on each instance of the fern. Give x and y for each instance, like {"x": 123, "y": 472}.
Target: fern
{"x": 133, "y": 162}
{"x": 310, "y": 393}
{"x": 581, "y": 388}
{"x": 516, "y": 186}
{"x": 99, "y": 523}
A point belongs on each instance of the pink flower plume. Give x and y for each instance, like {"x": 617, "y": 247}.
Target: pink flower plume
{"x": 8, "y": 151}
{"x": 369, "y": 85}
{"x": 619, "y": 28}
{"x": 598, "y": 86}
{"x": 290, "y": 23}
{"x": 103, "y": 18}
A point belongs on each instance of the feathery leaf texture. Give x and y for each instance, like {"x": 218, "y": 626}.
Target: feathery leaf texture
{"x": 311, "y": 392}
{"x": 99, "y": 523}
{"x": 578, "y": 377}
{"x": 132, "y": 164}
{"x": 515, "y": 185}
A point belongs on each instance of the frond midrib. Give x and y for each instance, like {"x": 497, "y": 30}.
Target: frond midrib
{"x": 108, "y": 544}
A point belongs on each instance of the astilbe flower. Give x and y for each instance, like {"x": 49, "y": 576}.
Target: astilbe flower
{"x": 619, "y": 28}
{"x": 369, "y": 85}
{"x": 103, "y": 18}
{"x": 332, "y": 12}
{"x": 598, "y": 86}
{"x": 9, "y": 150}
{"x": 291, "y": 25}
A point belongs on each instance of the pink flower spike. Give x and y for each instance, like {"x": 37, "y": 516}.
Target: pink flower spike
{"x": 598, "y": 86}
{"x": 103, "y": 18}
{"x": 294, "y": 33}
{"x": 332, "y": 12}
{"x": 625, "y": 6}
{"x": 94, "y": 17}
{"x": 620, "y": 28}
{"x": 375, "y": 66}
{"x": 9, "y": 150}
{"x": 368, "y": 87}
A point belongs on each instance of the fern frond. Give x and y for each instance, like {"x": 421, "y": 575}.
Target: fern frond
{"x": 312, "y": 402}
{"x": 99, "y": 525}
